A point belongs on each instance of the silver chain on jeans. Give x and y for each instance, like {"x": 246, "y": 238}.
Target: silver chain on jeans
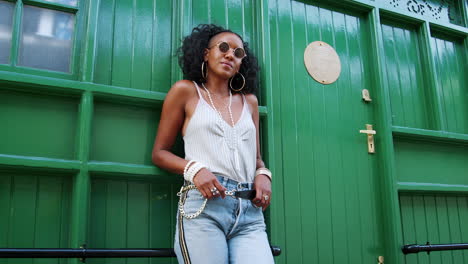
{"x": 202, "y": 207}
{"x": 181, "y": 203}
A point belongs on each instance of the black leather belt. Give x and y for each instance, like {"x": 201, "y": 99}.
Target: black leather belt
{"x": 248, "y": 194}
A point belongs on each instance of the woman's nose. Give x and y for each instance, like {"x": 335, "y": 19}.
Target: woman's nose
{"x": 229, "y": 54}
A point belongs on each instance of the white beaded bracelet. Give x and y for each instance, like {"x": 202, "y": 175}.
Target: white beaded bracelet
{"x": 187, "y": 166}
{"x": 264, "y": 171}
{"x": 192, "y": 171}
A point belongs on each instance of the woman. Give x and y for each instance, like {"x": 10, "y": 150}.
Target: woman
{"x": 220, "y": 217}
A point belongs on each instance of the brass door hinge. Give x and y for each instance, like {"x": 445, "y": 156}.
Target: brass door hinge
{"x": 370, "y": 138}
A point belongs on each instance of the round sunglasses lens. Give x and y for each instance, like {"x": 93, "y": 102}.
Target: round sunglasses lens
{"x": 239, "y": 53}
{"x": 223, "y": 47}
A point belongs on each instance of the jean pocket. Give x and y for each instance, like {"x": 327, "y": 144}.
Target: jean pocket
{"x": 194, "y": 202}
{"x": 194, "y": 194}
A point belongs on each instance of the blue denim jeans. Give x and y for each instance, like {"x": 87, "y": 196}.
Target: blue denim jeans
{"x": 229, "y": 230}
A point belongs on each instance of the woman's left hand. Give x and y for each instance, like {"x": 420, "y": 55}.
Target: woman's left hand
{"x": 262, "y": 186}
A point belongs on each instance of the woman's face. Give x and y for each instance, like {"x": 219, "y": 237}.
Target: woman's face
{"x": 223, "y": 64}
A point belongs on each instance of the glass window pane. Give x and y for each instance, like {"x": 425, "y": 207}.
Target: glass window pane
{"x": 46, "y": 39}
{"x": 6, "y": 20}
{"x": 64, "y": 2}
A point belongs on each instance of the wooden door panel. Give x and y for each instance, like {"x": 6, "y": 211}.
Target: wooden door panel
{"x": 330, "y": 186}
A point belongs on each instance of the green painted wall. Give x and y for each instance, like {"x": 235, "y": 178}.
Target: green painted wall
{"x": 131, "y": 214}
{"x": 35, "y": 212}
{"x": 429, "y": 217}
{"x": 75, "y": 147}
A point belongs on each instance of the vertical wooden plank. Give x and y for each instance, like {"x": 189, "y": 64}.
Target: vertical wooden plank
{"x": 201, "y": 13}
{"x": 97, "y": 228}
{"x": 289, "y": 138}
{"x": 433, "y": 234}
{"x": 339, "y": 216}
{"x": 104, "y": 42}
{"x": 249, "y": 23}
{"x": 271, "y": 59}
{"x": 65, "y": 217}
{"x": 91, "y": 38}
{"x": 315, "y": 109}
{"x": 420, "y": 225}
{"x": 352, "y": 82}
{"x": 450, "y": 68}
{"x": 162, "y": 227}
{"x": 392, "y": 74}
{"x": 460, "y": 96}
{"x": 164, "y": 48}
{"x": 321, "y": 159}
{"x": 430, "y": 74}
{"x": 6, "y": 187}
{"x": 418, "y": 93}
{"x": 404, "y": 75}
{"x": 235, "y": 17}
{"x": 48, "y": 211}
{"x": 462, "y": 204}
{"x": 218, "y": 13}
{"x": 438, "y": 78}
{"x": 138, "y": 235}
{"x": 454, "y": 227}
{"x": 116, "y": 217}
{"x": 444, "y": 231}
{"x": 408, "y": 226}
{"x": 446, "y": 83}
{"x": 23, "y": 219}
{"x": 122, "y": 57}
{"x": 142, "y": 44}
{"x": 327, "y": 235}
{"x": 307, "y": 236}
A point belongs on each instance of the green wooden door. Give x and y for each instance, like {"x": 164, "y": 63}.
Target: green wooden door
{"x": 331, "y": 187}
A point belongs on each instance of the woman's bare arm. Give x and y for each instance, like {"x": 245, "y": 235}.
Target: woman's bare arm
{"x": 170, "y": 124}
{"x": 262, "y": 182}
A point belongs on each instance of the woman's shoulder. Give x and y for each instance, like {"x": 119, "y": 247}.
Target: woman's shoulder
{"x": 182, "y": 89}
{"x": 183, "y": 86}
{"x": 252, "y": 101}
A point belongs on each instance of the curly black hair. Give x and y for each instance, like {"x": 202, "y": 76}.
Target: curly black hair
{"x": 191, "y": 55}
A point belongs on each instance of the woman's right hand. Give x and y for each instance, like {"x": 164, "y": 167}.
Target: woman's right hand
{"x": 206, "y": 181}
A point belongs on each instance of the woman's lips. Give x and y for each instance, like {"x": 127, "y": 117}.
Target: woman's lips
{"x": 227, "y": 64}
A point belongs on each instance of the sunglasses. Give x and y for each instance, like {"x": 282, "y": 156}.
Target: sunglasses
{"x": 224, "y": 47}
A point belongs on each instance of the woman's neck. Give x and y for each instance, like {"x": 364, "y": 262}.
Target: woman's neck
{"x": 217, "y": 86}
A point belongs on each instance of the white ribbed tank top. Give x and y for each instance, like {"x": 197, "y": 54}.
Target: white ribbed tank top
{"x": 224, "y": 150}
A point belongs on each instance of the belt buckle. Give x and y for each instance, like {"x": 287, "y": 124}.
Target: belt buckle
{"x": 246, "y": 194}
{"x": 231, "y": 193}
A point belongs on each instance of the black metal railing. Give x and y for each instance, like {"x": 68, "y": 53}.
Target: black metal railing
{"x": 84, "y": 253}
{"x": 410, "y": 249}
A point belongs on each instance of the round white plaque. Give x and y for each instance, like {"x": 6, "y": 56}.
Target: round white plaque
{"x": 322, "y": 62}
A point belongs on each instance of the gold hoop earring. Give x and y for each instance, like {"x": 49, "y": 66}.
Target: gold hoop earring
{"x": 243, "y": 84}
{"x": 203, "y": 71}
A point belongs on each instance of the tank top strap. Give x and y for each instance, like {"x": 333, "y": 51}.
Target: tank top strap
{"x": 198, "y": 90}
{"x": 245, "y": 103}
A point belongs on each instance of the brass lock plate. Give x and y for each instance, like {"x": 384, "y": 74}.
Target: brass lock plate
{"x": 370, "y": 138}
